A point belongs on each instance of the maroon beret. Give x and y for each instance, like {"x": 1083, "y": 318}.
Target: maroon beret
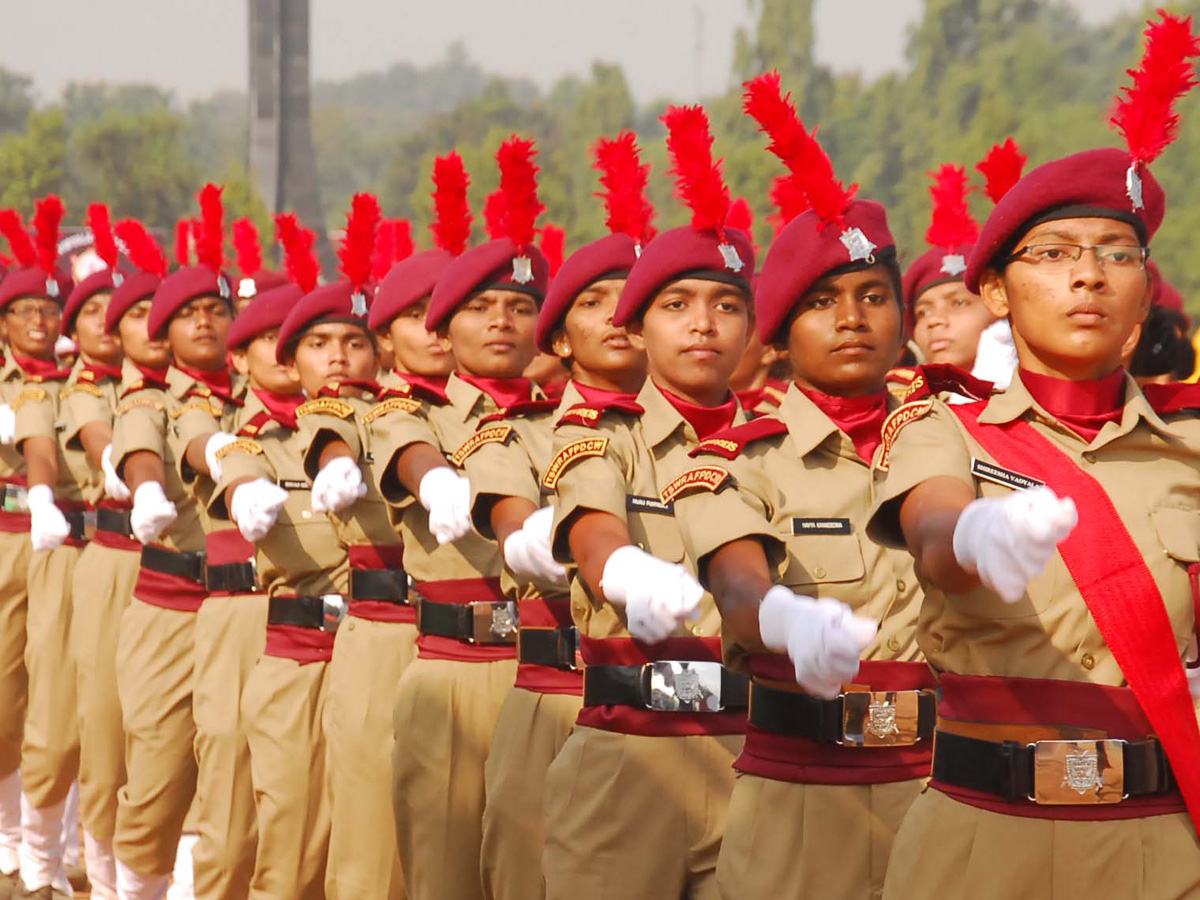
{"x": 488, "y": 265}
{"x": 132, "y": 290}
{"x": 1084, "y": 185}
{"x": 611, "y": 256}
{"x": 181, "y": 287}
{"x": 934, "y": 267}
{"x": 405, "y": 283}
{"x": 339, "y": 300}
{"x": 261, "y": 281}
{"x": 674, "y": 254}
{"x": 266, "y": 311}
{"x": 807, "y": 249}
{"x": 32, "y": 281}
{"x": 82, "y": 292}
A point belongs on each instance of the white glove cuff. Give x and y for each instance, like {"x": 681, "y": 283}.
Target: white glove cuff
{"x": 616, "y": 569}
{"x": 970, "y": 521}
{"x": 149, "y": 492}
{"x": 40, "y": 495}
{"x": 773, "y": 617}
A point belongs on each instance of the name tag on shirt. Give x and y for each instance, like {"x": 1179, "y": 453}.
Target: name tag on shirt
{"x": 1005, "y": 477}
{"x": 634, "y": 503}
{"x": 291, "y": 485}
{"x": 814, "y": 525}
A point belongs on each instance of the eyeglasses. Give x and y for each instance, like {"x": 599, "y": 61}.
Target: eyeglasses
{"x": 48, "y": 311}
{"x": 1116, "y": 256}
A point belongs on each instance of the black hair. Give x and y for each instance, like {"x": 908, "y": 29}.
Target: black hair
{"x": 1164, "y": 347}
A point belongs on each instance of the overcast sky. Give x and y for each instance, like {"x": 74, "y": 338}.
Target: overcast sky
{"x": 194, "y": 47}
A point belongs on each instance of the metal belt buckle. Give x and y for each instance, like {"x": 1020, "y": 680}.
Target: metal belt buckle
{"x": 494, "y": 623}
{"x": 683, "y": 686}
{"x": 880, "y": 718}
{"x": 333, "y": 610}
{"x": 16, "y": 499}
{"x": 568, "y": 648}
{"x": 1078, "y": 773}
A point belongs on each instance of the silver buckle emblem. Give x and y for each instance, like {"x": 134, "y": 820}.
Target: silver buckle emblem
{"x": 333, "y": 610}
{"x": 1078, "y": 772}
{"x": 881, "y": 719}
{"x": 1083, "y": 771}
{"x": 683, "y": 686}
{"x": 504, "y": 622}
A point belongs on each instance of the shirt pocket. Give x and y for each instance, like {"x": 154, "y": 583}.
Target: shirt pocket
{"x": 824, "y": 559}
{"x": 1178, "y": 531}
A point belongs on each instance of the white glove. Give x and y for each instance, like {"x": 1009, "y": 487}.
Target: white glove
{"x": 527, "y": 552}
{"x": 996, "y": 355}
{"x": 658, "y": 596}
{"x": 824, "y": 639}
{"x": 255, "y": 506}
{"x": 447, "y": 497}
{"x": 1007, "y": 542}
{"x": 211, "y": 446}
{"x": 48, "y": 527}
{"x": 8, "y": 424}
{"x": 152, "y": 512}
{"x": 337, "y": 485}
{"x": 114, "y": 487}
{"x": 64, "y": 346}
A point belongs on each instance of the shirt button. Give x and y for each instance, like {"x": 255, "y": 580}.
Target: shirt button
{"x": 351, "y": 626}
{"x": 306, "y": 514}
{"x": 893, "y": 644}
{"x": 819, "y": 571}
{"x": 901, "y": 587}
{"x": 1088, "y": 661}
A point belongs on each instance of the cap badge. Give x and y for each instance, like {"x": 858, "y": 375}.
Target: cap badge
{"x": 117, "y": 278}
{"x": 522, "y": 269}
{"x": 358, "y": 304}
{"x": 954, "y": 264}
{"x": 637, "y": 250}
{"x": 247, "y": 288}
{"x": 1133, "y": 186}
{"x": 858, "y": 244}
{"x": 52, "y": 286}
{"x": 223, "y": 287}
{"x": 729, "y": 255}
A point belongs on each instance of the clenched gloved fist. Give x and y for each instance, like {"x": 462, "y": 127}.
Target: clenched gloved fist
{"x": 447, "y": 497}
{"x": 211, "y": 446}
{"x": 48, "y": 527}
{"x": 1008, "y": 541}
{"x": 8, "y": 424}
{"x": 824, "y": 639}
{"x": 255, "y": 506}
{"x": 658, "y": 596}
{"x": 996, "y": 356}
{"x": 337, "y": 485}
{"x": 527, "y": 552}
{"x": 114, "y": 487}
{"x": 152, "y": 512}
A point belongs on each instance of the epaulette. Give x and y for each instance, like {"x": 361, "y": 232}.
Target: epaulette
{"x": 902, "y": 415}
{"x": 569, "y": 455}
{"x": 391, "y": 404}
{"x": 520, "y": 410}
{"x": 205, "y": 392}
{"x": 703, "y": 478}
{"x": 333, "y": 389}
{"x": 196, "y": 406}
{"x": 150, "y": 402}
{"x": 408, "y": 389}
{"x": 332, "y": 406}
{"x": 775, "y": 392}
{"x": 1172, "y": 398}
{"x": 29, "y": 395}
{"x": 82, "y": 387}
{"x": 257, "y": 423}
{"x": 940, "y": 378}
{"x": 140, "y": 385}
{"x": 590, "y": 414}
{"x": 493, "y": 434}
{"x": 730, "y": 442}
{"x": 243, "y": 444}
{"x": 902, "y": 375}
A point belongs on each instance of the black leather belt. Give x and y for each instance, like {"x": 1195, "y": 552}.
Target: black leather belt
{"x": 667, "y": 686}
{"x": 388, "y": 585}
{"x": 481, "y": 622}
{"x": 855, "y": 719}
{"x": 234, "y": 578}
{"x": 182, "y": 565}
{"x": 77, "y": 520}
{"x": 323, "y": 613}
{"x": 553, "y": 647}
{"x": 1054, "y": 772}
{"x": 114, "y": 520}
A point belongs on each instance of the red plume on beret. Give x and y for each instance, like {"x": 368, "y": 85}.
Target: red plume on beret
{"x": 624, "y": 178}
{"x": 19, "y": 241}
{"x": 248, "y": 247}
{"x": 554, "y": 242}
{"x": 951, "y": 226}
{"x": 210, "y": 246}
{"x": 354, "y": 256}
{"x": 103, "y": 241}
{"x": 787, "y": 193}
{"x": 518, "y": 182}
{"x": 48, "y": 214}
{"x": 402, "y": 240}
{"x": 742, "y": 216}
{"x": 141, "y": 248}
{"x": 494, "y": 211}
{"x": 698, "y": 178}
{"x": 1001, "y": 169}
{"x": 393, "y": 242}
{"x": 763, "y": 100}
{"x": 298, "y": 255}
{"x": 183, "y": 236}
{"x": 452, "y": 215}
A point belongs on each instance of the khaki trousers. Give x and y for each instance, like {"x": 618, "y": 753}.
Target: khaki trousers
{"x": 50, "y": 749}
{"x": 631, "y": 816}
{"x": 230, "y": 634}
{"x": 949, "y": 849}
{"x": 445, "y": 714}
{"x": 155, "y": 655}
{"x": 780, "y": 839}
{"x": 368, "y": 659}
{"x": 15, "y": 551}
{"x": 283, "y": 706}
{"x": 530, "y": 732}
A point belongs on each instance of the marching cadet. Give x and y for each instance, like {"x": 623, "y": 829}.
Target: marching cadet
{"x": 775, "y": 517}
{"x": 32, "y": 299}
{"x": 658, "y": 707}
{"x": 160, "y": 440}
{"x": 254, "y": 278}
{"x": 575, "y": 326}
{"x": 1054, "y": 526}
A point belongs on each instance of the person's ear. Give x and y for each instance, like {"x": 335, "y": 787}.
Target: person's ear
{"x": 240, "y": 362}
{"x": 636, "y": 338}
{"x": 561, "y": 345}
{"x": 993, "y": 289}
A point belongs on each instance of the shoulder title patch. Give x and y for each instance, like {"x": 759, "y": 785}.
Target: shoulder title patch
{"x": 148, "y": 401}
{"x": 704, "y": 478}
{"x": 332, "y": 406}
{"x": 494, "y": 434}
{"x": 196, "y": 406}
{"x": 730, "y": 442}
{"x": 392, "y": 404}
{"x": 569, "y": 455}
{"x": 83, "y": 387}
{"x": 245, "y": 445}
{"x": 900, "y": 417}
{"x": 29, "y": 395}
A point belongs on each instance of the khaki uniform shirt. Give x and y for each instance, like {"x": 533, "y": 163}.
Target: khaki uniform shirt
{"x": 84, "y": 400}
{"x": 12, "y": 383}
{"x": 38, "y": 414}
{"x": 1150, "y": 468}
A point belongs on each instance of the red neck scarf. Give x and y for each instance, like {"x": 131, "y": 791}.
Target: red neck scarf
{"x": 219, "y": 381}
{"x": 334, "y": 388}
{"x": 282, "y": 407}
{"x": 46, "y": 369}
{"x": 99, "y": 372}
{"x": 153, "y": 376}
{"x": 431, "y": 384}
{"x": 1083, "y": 406}
{"x": 859, "y": 418}
{"x": 750, "y": 399}
{"x": 505, "y": 391}
{"x": 707, "y": 420}
{"x": 601, "y": 397}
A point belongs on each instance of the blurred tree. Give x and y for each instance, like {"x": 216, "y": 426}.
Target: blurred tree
{"x": 34, "y": 162}
{"x": 16, "y": 100}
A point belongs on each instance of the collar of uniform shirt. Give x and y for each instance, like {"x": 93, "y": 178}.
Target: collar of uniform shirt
{"x": 505, "y": 392}
{"x": 101, "y": 372}
{"x": 859, "y": 418}
{"x": 42, "y": 368}
{"x": 220, "y": 381}
{"x": 600, "y": 396}
{"x": 282, "y": 407}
